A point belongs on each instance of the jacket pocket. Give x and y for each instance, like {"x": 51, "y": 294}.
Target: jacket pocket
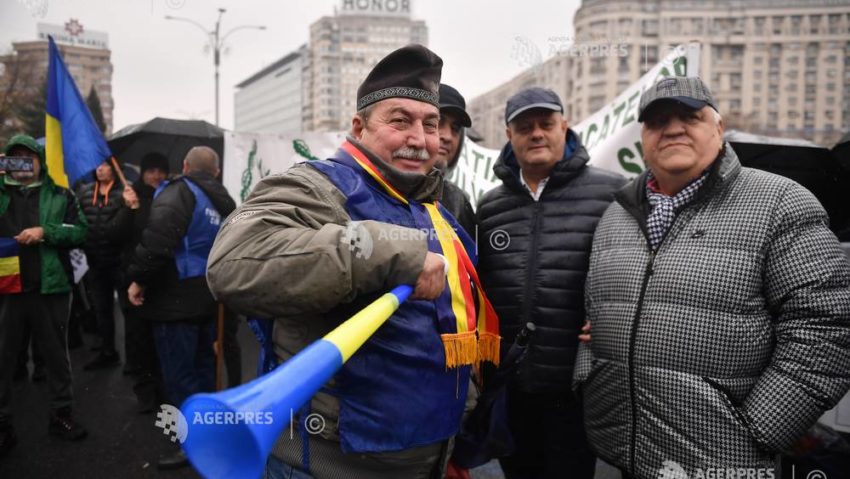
{"x": 738, "y": 415}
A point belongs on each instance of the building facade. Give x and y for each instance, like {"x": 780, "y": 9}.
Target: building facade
{"x": 272, "y": 100}
{"x": 488, "y": 110}
{"x": 86, "y": 54}
{"x": 777, "y": 67}
{"x": 343, "y": 49}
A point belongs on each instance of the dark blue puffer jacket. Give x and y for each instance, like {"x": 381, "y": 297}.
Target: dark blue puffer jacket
{"x": 539, "y": 274}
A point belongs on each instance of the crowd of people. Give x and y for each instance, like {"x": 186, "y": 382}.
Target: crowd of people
{"x": 696, "y": 317}
{"x": 145, "y": 245}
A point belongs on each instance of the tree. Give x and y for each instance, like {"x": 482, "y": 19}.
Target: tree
{"x": 31, "y": 111}
{"x": 93, "y": 102}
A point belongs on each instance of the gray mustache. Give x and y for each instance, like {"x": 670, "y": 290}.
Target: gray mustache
{"x": 412, "y": 153}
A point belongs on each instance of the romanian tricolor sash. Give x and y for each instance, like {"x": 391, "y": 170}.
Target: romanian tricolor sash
{"x": 10, "y": 267}
{"x": 470, "y": 334}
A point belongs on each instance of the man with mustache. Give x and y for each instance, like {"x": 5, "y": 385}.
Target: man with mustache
{"x": 535, "y": 232}
{"x": 312, "y": 246}
{"x": 719, "y": 302}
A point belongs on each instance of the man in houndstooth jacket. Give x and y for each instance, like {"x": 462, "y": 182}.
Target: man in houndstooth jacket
{"x": 719, "y": 302}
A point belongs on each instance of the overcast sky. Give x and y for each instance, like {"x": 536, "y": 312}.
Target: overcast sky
{"x": 161, "y": 67}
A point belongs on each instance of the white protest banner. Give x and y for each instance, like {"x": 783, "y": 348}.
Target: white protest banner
{"x": 474, "y": 170}
{"x": 612, "y": 134}
{"x": 250, "y": 157}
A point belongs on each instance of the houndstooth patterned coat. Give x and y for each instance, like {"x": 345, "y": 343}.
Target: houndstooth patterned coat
{"x": 725, "y": 345}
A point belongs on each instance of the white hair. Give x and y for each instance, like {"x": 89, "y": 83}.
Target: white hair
{"x": 716, "y": 115}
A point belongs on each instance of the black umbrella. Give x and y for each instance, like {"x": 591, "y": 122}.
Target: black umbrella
{"x": 813, "y": 166}
{"x": 172, "y": 138}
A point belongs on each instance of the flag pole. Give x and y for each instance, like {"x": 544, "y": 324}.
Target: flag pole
{"x": 119, "y": 172}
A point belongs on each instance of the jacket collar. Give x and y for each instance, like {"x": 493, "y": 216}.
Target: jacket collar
{"x": 574, "y": 160}
{"x": 414, "y": 186}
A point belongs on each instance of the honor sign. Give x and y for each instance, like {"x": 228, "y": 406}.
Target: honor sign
{"x": 376, "y": 7}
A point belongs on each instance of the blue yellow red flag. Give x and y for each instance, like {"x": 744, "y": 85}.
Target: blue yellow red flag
{"x": 74, "y": 145}
{"x": 10, "y": 266}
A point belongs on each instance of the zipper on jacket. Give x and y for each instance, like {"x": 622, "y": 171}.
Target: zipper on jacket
{"x": 531, "y": 265}
{"x": 633, "y": 335}
{"x": 632, "y": 338}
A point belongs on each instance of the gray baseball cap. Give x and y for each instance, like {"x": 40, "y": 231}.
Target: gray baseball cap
{"x": 689, "y": 91}
{"x": 532, "y": 98}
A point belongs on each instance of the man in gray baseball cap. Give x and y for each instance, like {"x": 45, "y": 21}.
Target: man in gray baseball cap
{"x": 719, "y": 301}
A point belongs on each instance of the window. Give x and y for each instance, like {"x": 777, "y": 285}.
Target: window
{"x": 649, "y": 28}
{"x": 777, "y": 25}
{"x": 697, "y": 26}
{"x": 735, "y": 80}
{"x": 814, "y": 24}
{"x": 758, "y": 24}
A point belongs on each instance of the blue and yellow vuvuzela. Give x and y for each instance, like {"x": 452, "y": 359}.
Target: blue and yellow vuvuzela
{"x": 231, "y": 433}
{"x": 73, "y": 143}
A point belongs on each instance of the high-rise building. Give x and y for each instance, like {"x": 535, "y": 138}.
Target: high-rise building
{"x": 271, "y": 100}
{"x": 86, "y": 54}
{"x": 776, "y": 67}
{"x": 344, "y": 47}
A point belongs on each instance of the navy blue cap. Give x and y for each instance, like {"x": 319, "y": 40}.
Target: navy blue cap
{"x": 532, "y": 98}
{"x": 452, "y": 100}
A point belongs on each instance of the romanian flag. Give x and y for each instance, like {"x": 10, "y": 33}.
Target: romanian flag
{"x": 10, "y": 267}
{"x": 74, "y": 145}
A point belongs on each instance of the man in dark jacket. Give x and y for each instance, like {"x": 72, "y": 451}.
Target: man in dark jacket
{"x": 167, "y": 275}
{"x": 107, "y": 207}
{"x": 138, "y": 335}
{"x": 453, "y": 121}
{"x": 39, "y": 223}
{"x": 535, "y": 232}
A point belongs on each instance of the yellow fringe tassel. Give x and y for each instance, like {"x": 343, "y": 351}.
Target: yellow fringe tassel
{"x": 466, "y": 349}
{"x": 488, "y": 347}
{"x": 461, "y": 349}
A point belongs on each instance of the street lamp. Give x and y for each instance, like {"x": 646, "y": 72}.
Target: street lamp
{"x": 216, "y": 43}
